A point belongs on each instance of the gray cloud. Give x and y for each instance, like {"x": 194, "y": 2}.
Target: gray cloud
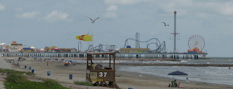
{"x": 2, "y": 7}
{"x": 111, "y": 11}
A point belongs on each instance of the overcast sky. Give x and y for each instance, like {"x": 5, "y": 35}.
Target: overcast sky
{"x": 42, "y": 23}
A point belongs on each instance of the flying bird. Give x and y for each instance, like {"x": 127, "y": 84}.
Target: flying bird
{"x": 165, "y": 24}
{"x": 92, "y": 21}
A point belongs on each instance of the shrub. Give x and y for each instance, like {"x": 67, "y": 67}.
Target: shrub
{"x": 16, "y": 78}
{"x": 4, "y": 70}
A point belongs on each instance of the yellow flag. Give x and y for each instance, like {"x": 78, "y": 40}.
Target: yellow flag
{"x": 84, "y": 37}
{"x": 80, "y": 37}
{"x": 87, "y": 38}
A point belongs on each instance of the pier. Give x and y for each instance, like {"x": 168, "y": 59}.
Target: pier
{"x": 118, "y": 55}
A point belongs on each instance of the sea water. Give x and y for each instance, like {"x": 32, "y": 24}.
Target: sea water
{"x": 208, "y": 74}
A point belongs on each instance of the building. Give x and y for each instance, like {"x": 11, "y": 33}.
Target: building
{"x": 15, "y": 47}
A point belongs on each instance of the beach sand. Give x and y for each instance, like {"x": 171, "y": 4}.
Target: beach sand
{"x": 125, "y": 80}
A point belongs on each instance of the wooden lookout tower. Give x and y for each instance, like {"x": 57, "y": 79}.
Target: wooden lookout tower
{"x": 98, "y": 74}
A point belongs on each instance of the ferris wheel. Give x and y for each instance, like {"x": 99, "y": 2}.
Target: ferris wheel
{"x": 196, "y": 42}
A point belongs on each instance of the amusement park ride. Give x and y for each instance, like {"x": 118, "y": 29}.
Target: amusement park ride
{"x": 196, "y": 44}
{"x": 159, "y": 47}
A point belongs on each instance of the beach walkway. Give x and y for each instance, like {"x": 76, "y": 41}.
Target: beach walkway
{"x": 3, "y": 65}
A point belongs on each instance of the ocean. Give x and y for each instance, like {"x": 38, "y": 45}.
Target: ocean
{"x": 208, "y": 74}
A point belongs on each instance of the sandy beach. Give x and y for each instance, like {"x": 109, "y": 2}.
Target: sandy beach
{"x": 125, "y": 80}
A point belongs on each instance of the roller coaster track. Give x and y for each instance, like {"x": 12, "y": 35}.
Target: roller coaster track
{"x": 100, "y": 48}
{"x": 159, "y": 47}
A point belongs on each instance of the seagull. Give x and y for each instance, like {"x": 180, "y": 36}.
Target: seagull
{"x": 92, "y": 21}
{"x": 165, "y": 24}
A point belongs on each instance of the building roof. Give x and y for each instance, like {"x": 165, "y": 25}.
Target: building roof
{"x": 16, "y": 44}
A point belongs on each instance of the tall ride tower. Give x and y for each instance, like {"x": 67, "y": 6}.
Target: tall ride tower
{"x": 174, "y": 31}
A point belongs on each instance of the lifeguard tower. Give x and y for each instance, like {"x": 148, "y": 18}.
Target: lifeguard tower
{"x": 98, "y": 74}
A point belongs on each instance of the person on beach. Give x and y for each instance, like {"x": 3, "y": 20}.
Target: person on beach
{"x": 169, "y": 85}
{"x": 174, "y": 84}
{"x": 187, "y": 79}
{"x": 179, "y": 86}
{"x": 19, "y": 59}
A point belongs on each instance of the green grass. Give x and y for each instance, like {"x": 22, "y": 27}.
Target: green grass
{"x": 4, "y": 70}
{"x": 83, "y": 83}
{"x": 32, "y": 85}
{"x": 16, "y": 80}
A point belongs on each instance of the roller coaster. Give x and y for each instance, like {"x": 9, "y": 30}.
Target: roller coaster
{"x": 159, "y": 47}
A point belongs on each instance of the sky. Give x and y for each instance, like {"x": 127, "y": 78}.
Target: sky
{"x": 42, "y": 23}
